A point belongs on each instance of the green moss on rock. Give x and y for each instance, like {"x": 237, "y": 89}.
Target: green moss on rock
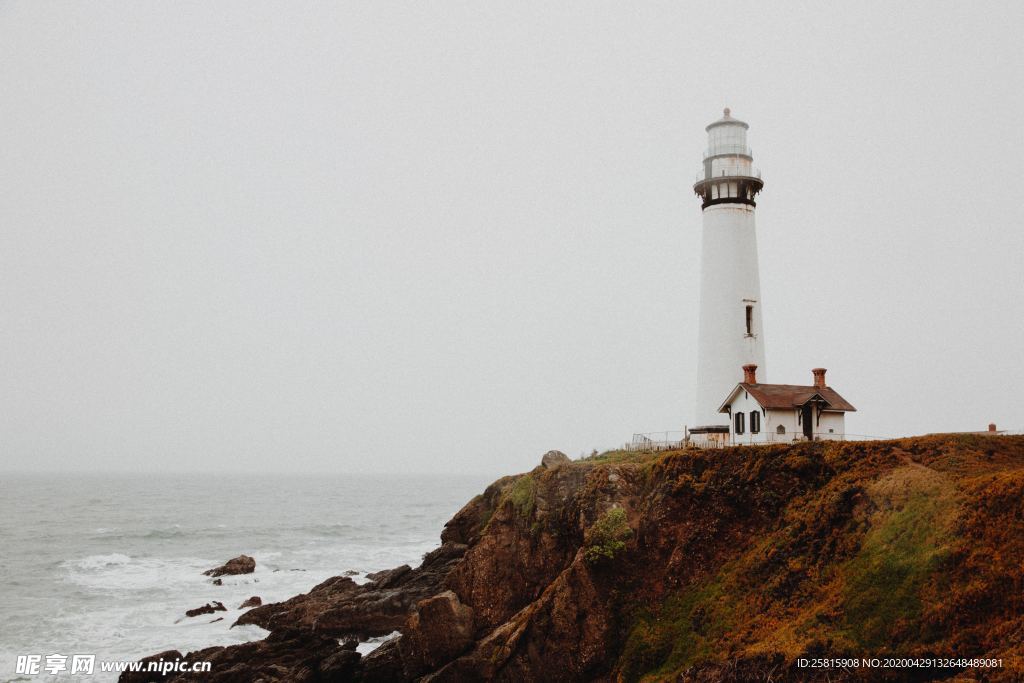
{"x": 523, "y": 496}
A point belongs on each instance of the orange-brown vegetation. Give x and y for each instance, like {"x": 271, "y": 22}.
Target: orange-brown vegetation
{"x": 742, "y": 561}
{"x": 692, "y": 566}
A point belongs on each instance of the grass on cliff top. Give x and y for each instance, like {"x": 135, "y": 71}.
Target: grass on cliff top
{"x": 875, "y": 600}
{"x": 619, "y": 456}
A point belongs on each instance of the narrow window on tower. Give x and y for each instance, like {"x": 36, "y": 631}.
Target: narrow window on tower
{"x": 750, "y": 321}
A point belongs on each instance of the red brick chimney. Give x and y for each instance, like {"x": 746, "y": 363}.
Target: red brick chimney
{"x": 991, "y": 426}
{"x": 750, "y": 374}
{"x": 819, "y": 377}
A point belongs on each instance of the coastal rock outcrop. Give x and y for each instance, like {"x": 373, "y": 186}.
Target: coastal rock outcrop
{"x": 553, "y": 459}
{"x": 389, "y": 576}
{"x": 342, "y": 608}
{"x": 439, "y": 630}
{"x": 254, "y": 601}
{"x": 208, "y": 608}
{"x": 144, "y": 676}
{"x": 282, "y": 657}
{"x": 688, "y": 565}
{"x": 243, "y": 564}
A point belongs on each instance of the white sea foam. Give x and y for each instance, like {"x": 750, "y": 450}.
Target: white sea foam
{"x": 101, "y": 562}
{"x": 368, "y": 646}
{"x": 113, "y": 577}
{"x": 118, "y": 573}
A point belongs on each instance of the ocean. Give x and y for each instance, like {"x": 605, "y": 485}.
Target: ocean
{"x": 107, "y": 565}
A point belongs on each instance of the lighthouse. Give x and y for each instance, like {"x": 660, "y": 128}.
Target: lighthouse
{"x": 731, "y": 330}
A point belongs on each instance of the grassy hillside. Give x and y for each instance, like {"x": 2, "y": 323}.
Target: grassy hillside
{"x": 911, "y": 548}
{"x": 741, "y": 562}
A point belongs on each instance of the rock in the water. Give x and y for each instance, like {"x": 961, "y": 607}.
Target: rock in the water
{"x": 218, "y": 582}
{"x": 243, "y": 564}
{"x": 208, "y": 608}
{"x": 254, "y": 601}
{"x": 341, "y": 607}
{"x": 350, "y": 572}
{"x": 553, "y": 459}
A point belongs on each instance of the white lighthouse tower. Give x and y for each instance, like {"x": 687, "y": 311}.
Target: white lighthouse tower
{"x": 731, "y": 334}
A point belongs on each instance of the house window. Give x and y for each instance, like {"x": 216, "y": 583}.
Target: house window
{"x": 750, "y": 320}
{"x": 781, "y": 429}
{"x": 755, "y": 422}
{"x": 739, "y": 422}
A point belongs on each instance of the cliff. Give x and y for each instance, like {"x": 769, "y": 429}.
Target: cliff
{"x": 692, "y": 566}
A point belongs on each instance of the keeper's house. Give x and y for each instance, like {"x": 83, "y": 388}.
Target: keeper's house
{"x": 767, "y": 413}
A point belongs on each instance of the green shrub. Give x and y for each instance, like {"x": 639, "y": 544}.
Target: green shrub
{"x": 608, "y": 536}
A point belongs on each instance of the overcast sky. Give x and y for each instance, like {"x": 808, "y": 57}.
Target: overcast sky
{"x": 328, "y": 237}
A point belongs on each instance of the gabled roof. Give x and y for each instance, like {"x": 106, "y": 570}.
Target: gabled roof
{"x": 788, "y": 396}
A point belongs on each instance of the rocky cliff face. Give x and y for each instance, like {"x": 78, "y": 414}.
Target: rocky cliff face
{"x": 692, "y": 566}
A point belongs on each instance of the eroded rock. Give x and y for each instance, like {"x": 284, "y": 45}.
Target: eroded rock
{"x": 440, "y": 629}
{"x": 254, "y": 601}
{"x": 243, "y": 564}
{"x": 283, "y": 657}
{"x": 208, "y": 608}
{"x": 553, "y": 459}
{"x": 341, "y": 607}
{"x": 150, "y": 677}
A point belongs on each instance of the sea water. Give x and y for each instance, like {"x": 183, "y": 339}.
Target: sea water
{"x": 107, "y": 565}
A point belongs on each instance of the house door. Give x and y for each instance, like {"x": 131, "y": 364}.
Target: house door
{"x": 807, "y": 418}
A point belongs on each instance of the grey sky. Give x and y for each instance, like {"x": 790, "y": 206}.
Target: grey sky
{"x": 451, "y": 236}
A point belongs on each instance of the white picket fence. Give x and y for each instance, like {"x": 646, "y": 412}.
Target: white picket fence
{"x": 649, "y": 442}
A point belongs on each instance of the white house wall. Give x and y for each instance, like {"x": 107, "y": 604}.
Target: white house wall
{"x": 743, "y": 402}
{"x": 830, "y": 426}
